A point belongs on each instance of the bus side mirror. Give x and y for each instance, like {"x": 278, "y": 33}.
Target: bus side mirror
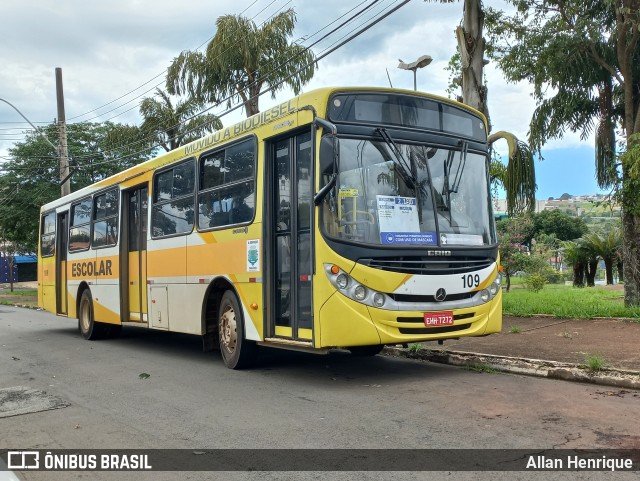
{"x": 335, "y": 159}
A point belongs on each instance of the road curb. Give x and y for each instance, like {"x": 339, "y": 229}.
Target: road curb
{"x": 519, "y": 365}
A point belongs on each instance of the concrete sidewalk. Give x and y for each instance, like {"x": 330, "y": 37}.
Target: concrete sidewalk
{"x": 548, "y": 347}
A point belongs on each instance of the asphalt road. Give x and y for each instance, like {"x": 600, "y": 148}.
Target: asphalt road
{"x": 290, "y": 400}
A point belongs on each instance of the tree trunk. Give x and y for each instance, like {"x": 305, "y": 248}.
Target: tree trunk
{"x": 251, "y": 106}
{"x": 620, "y": 268}
{"x": 10, "y": 262}
{"x": 578, "y": 275}
{"x": 471, "y": 45}
{"x": 631, "y": 253}
{"x": 608, "y": 268}
{"x": 508, "y": 281}
{"x": 592, "y": 267}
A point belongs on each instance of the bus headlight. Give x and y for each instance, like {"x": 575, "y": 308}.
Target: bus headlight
{"x": 360, "y": 292}
{"x": 493, "y": 289}
{"x": 342, "y": 281}
{"x": 352, "y": 289}
{"x": 378, "y": 299}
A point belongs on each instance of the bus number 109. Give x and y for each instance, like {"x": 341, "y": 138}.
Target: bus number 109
{"x": 470, "y": 280}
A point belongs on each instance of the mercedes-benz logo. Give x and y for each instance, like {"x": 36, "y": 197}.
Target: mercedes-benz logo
{"x": 441, "y": 295}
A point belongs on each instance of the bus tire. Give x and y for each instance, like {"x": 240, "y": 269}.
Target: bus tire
{"x": 366, "y": 351}
{"x": 237, "y": 352}
{"x": 89, "y": 328}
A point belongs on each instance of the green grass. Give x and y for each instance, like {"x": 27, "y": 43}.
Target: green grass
{"x": 27, "y": 297}
{"x": 515, "y": 330}
{"x": 595, "y": 362}
{"x": 568, "y": 302}
{"x": 480, "y": 367}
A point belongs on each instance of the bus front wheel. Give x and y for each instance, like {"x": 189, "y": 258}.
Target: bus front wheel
{"x": 237, "y": 352}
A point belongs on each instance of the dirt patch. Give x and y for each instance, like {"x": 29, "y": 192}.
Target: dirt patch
{"x": 22, "y": 295}
{"x": 564, "y": 340}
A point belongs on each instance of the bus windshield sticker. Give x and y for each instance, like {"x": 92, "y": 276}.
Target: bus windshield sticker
{"x": 253, "y": 255}
{"x": 462, "y": 239}
{"x": 399, "y": 224}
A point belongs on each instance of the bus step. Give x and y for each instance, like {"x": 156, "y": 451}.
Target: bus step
{"x": 292, "y": 345}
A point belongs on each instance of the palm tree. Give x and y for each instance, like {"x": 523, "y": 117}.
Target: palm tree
{"x": 605, "y": 246}
{"x": 518, "y": 177}
{"x": 585, "y": 54}
{"x": 240, "y": 60}
{"x": 576, "y": 256}
{"x": 172, "y": 126}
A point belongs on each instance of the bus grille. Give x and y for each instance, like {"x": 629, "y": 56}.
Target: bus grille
{"x": 428, "y": 265}
{"x": 434, "y": 330}
{"x": 425, "y": 298}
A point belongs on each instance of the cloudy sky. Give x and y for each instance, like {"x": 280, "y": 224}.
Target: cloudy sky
{"x": 115, "y": 53}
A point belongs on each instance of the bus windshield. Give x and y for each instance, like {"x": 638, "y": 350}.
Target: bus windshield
{"x": 398, "y": 194}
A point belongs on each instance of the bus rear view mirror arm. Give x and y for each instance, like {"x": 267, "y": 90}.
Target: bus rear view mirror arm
{"x": 322, "y": 193}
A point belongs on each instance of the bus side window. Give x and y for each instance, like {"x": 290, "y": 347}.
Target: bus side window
{"x": 80, "y": 229}
{"x": 105, "y": 219}
{"x": 173, "y": 209}
{"x": 48, "y": 235}
{"x": 226, "y": 193}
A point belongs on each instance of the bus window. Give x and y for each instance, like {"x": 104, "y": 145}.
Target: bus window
{"x": 227, "y": 186}
{"x": 48, "y": 235}
{"x": 105, "y": 219}
{"x": 173, "y": 189}
{"x": 80, "y": 231}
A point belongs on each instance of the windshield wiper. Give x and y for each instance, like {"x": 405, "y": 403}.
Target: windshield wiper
{"x": 463, "y": 160}
{"x": 404, "y": 171}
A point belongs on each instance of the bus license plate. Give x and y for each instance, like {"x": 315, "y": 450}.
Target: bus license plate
{"x": 444, "y": 318}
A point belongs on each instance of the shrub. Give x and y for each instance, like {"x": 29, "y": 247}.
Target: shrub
{"x": 535, "y": 282}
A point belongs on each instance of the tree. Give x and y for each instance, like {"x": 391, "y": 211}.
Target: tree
{"x": 518, "y": 178}
{"x": 31, "y": 177}
{"x": 240, "y": 60}
{"x": 576, "y": 256}
{"x": 586, "y": 53}
{"x": 605, "y": 246}
{"x": 172, "y": 126}
{"x": 513, "y": 253}
{"x": 561, "y": 224}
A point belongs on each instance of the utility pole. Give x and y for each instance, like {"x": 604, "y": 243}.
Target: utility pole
{"x": 65, "y": 183}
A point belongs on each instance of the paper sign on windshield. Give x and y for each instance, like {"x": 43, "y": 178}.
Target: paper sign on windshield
{"x": 399, "y": 223}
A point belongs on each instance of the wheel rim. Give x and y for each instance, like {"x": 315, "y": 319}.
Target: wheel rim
{"x": 228, "y": 329}
{"x": 85, "y": 316}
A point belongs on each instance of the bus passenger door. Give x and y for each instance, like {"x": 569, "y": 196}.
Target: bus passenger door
{"x": 289, "y": 231}
{"x": 135, "y": 244}
{"x": 61, "y": 262}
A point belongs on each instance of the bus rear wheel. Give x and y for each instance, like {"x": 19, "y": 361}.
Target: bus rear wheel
{"x": 89, "y": 328}
{"x": 237, "y": 352}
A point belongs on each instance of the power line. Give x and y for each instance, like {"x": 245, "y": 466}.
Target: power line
{"x": 157, "y": 85}
{"x": 335, "y": 46}
{"x": 267, "y": 75}
{"x": 146, "y": 83}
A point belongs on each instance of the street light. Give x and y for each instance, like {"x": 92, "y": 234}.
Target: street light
{"x": 413, "y": 66}
{"x": 64, "y": 174}
{"x": 29, "y": 122}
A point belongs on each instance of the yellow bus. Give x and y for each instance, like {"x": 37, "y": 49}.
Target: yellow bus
{"x": 344, "y": 218}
